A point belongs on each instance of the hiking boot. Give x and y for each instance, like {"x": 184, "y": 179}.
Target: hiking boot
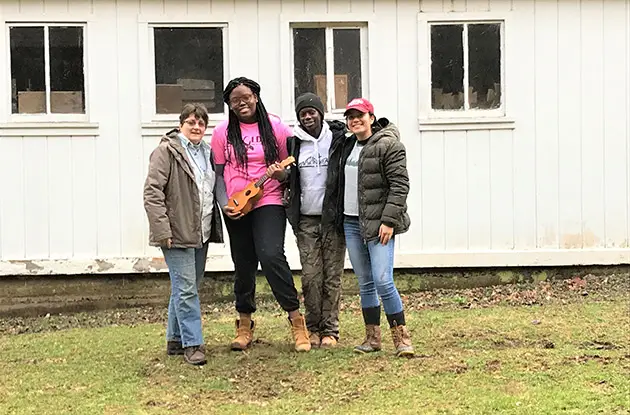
{"x": 372, "y": 342}
{"x": 300, "y": 334}
{"x": 328, "y": 342}
{"x": 195, "y": 355}
{"x": 402, "y": 341}
{"x": 174, "y": 348}
{"x": 244, "y": 334}
{"x": 315, "y": 340}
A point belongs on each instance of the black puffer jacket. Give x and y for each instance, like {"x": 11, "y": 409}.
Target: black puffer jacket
{"x": 293, "y": 190}
{"x": 383, "y": 182}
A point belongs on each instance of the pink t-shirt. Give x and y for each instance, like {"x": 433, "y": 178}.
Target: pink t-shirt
{"x": 236, "y": 178}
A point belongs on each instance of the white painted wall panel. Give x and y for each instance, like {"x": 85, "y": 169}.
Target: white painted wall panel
{"x": 524, "y": 109}
{"x": 592, "y": 120}
{"x": 131, "y": 151}
{"x": 85, "y": 198}
{"x": 407, "y": 75}
{"x": 60, "y": 183}
{"x": 502, "y": 189}
{"x": 433, "y": 191}
{"x": 13, "y": 220}
{"x": 478, "y": 189}
{"x": 555, "y": 190}
{"x": 36, "y": 197}
{"x": 456, "y": 190}
{"x": 546, "y": 122}
{"x": 106, "y": 89}
{"x": 569, "y": 132}
{"x": 615, "y": 111}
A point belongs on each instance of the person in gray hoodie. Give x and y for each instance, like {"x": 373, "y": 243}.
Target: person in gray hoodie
{"x": 310, "y": 208}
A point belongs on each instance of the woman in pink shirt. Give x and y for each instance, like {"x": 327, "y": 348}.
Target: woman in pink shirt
{"x": 245, "y": 147}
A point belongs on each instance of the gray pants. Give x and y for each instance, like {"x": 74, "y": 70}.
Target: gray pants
{"x": 322, "y": 253}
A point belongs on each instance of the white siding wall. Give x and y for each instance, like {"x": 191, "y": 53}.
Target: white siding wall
{"x": 555, "y": 189}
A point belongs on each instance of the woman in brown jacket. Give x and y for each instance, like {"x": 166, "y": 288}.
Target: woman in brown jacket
{"x": 179, "y": 198}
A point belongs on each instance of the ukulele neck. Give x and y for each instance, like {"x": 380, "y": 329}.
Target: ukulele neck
{"x": 262, "y": 180}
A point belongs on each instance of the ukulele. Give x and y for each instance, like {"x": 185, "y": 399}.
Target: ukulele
{"x": 245, "y": 200}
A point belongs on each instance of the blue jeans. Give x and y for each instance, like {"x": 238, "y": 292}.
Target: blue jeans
{"x": 186, "y": 267}
{"x": 373, "y": 263}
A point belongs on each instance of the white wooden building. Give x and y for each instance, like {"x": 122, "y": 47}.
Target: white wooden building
{"x": 515, "y": 115}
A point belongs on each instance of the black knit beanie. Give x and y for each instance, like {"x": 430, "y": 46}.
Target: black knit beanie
{"x": 309, "y": 100}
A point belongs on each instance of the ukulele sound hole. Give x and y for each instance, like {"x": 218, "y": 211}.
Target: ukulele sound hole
{"x": 247, "y": 193}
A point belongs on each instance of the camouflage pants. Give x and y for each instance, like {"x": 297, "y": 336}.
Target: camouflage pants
{"x": 322, "y": 254}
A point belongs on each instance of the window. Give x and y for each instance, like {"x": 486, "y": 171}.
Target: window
{"x": 329, "y": 61}
{"x": 466, "y": 66}
{"x": 189, "y": 67}
{"x": 47, "y": 69}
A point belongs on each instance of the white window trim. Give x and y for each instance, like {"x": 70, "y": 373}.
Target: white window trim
{"x": 333, "y": 21}
{"x": 150, "y": 119}
{"x": 51, "y": 117}
{"x": 430, "y": 119}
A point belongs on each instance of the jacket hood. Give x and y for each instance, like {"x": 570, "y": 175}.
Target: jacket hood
{"x": 170, "y": 136}
{"x": 336, "y": 126}
{"x": 388, "y": 129}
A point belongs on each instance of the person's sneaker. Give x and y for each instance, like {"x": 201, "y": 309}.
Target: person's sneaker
{"x": 195, "y": 355}
{"x": 174, "y": 348}
{"x": 315, "y": 340}
{"x": 328, "y": 342}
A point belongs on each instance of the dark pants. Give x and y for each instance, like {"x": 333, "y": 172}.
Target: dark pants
{"x": 322, "y": 253}
{"x": 259, "y": 236}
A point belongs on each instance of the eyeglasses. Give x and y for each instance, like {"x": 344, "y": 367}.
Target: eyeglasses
{"x": 192, "y": 123}
{"x": 237, "y": 100}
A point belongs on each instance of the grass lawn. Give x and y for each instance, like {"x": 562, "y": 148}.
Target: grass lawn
{"x": 554, "y": 357}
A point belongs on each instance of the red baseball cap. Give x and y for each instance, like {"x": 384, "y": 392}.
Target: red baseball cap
{"x": 359, "y": 104}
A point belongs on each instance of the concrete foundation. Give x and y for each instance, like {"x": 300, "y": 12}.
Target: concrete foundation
{"x": 39, "y": 295}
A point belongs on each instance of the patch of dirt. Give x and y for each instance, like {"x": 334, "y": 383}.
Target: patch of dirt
{"x": 599, "y": 345}
{"x": 493, "y": 366}
{"x": 589, "y": 358}
{"x": 576, "y": 290}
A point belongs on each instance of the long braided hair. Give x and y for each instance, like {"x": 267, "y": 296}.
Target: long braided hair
{"x": 234, "y": 136}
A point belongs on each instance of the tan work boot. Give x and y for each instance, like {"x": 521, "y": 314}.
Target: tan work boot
{"x": 402, "y": 341}
{"x": 315, "y": 340}
{"x": 244, "y": 334}
{"x": 372, "y": 342}
{"x": 328, "y": 342}
{"x": 300, "y": 334}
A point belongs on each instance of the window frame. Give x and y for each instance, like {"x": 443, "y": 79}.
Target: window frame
{"x": 431, "y": 119}
{"x": 152, "y": 26}
{"x": 330, "y": 59}
{"x": 153, "y": 124}
{"x": 288, "y": 22}
{"x": 48, "y": 117}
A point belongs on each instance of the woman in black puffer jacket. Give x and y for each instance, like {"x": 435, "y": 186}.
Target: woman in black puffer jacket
{"x": 372, "y": 185}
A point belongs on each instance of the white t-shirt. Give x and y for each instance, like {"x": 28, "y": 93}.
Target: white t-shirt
{"x": 351, "y": 188}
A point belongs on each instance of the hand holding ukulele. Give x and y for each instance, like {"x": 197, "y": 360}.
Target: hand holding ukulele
{"x": 241, "y": 203}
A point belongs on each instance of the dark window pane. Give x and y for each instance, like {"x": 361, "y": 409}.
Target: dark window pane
{"x": 484, "y": 67}
{"x": 347, "y": 43}
{"x": 309, "y": 62}
{"x": 188, "y": 68}
{"x": 28, "y": 82}
{"x": 447, "y": 67}
{"x": 67, "y": 92}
